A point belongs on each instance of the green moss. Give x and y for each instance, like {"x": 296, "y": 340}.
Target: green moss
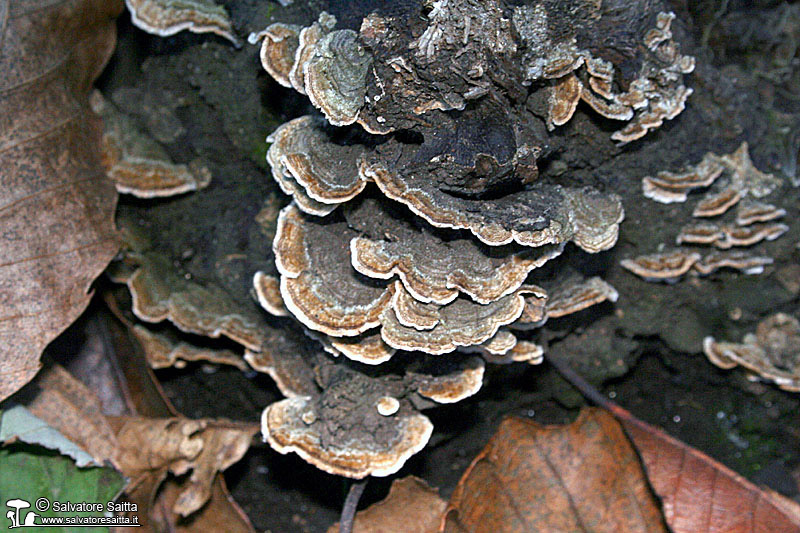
{"x": 258, "y": 153}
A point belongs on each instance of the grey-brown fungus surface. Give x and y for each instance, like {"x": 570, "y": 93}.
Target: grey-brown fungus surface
{"x": 732, "y": 179}
{"x": 279, "y": 43}
{"x": 772, "y": 353}
{"x": 420, "y": 220}
{"x": 318, "y": 284}
{"x": 342, "y": 431}
{"x": 138, "y": 164}
{"x": 163, "y": 350}
{"x": 167, "y": 17}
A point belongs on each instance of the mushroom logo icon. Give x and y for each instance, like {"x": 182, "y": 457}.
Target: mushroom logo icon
{"x": 13, "y": 516}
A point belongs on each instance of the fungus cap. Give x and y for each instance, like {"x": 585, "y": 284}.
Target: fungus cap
{"x": 665, "y": 266}
{"x": 285, "y": 430}
{"x": 168, "y": 17}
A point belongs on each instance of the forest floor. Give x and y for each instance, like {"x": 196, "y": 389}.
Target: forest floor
{"x": 644, "y": 352}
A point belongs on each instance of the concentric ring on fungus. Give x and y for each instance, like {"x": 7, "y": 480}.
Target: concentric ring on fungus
{"x": 164, "y": 18}
{"x": 335, "y": 76}
{"x": 541, "y": 215}
{"x": 455, "y": 386}
{"x": 318, "y": 285}
{"x": 279, "y": 45}
{"x": 460, "y": 323}
{"x": 302, "y": 154}
{"x": 435, "y": 269}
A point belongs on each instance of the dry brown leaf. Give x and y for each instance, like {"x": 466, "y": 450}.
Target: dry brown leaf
{"x": 70, "y": 407}
{"x": 66, "y": 404}
{"x": 56, "y": 204}
{"x": 411, "y": 507}
{"x": 700, "y": 495}
{"x": 220, "y": 514}
{"x": 152, "y": 448}
{"x": 585, "y": 476}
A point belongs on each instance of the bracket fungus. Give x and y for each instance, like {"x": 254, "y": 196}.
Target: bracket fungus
{"x": 369, "y": 348}
{"x": 669, "y": 187}
{"x": 726, "y": 236}
{"x": 168, "y": 17}
{"x": 744, "y": 262}
{"x": 302, "y": 154}
{"x": 454, "y": 386}
{"x": 420, "y": 222}
{"x": 159, "y": 294}
{"x": 279, "y": 44}
{"x": 268, "y": 293}
{"x": 574, "y": 294}
{"x": 751, "y": 211}
{"x": 387, "y": 406}
{"x": 773, "y": 352}
{"x": 164, "y": 350}
{"x": 522, "y": 352}
{"x": 318, "y": 284}
{"x": 291, "y": 426}
{"x": 436, "y": 270}
{"x": 741, "y": 179}
{"x": 136, "y": 163}
{"x": 359, "y": 425}
{"x": 335, "y": 76}
{"x": 663, "y": 266}
{"x": 460, "y": 323}
{"x": 456, "y": 166}
{"x": 754, "y": 221}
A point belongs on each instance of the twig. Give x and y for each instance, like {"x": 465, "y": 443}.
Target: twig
{"x": 583, "y": 386}
{"x": 350, "y": 505}
{"x": 591, "y": 393}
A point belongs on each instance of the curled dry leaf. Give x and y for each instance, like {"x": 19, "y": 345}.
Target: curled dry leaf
{"x": 56, "y": 204}
{"x": 582, "y": 477}
{"x": 221, "y": 513}
{"x": 70, "y": 407}
{"x": 149, "y": 449}
{"x": 411, "y": 507}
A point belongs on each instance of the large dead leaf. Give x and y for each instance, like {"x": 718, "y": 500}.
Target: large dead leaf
{"x": 585, "y": 476}
{"x": 411, "y": 507}
{"x": 700, "y": 495}
{"x": 56, "y": 204}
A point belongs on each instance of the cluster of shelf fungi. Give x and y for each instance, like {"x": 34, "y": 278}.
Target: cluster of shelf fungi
{"x": 416, "y": 245}
{"x": 418, "y": 222}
